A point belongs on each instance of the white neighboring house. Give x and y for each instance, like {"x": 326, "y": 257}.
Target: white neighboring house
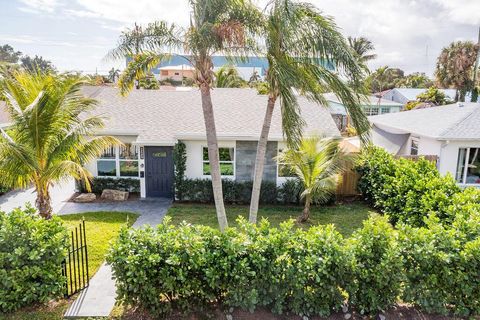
{"x": 405, "y": 95}
{"x": 451, "y": 132}
{"x": 151, "y": 122}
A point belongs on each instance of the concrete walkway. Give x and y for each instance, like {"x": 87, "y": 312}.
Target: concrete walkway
{"x": 98, "y": 299}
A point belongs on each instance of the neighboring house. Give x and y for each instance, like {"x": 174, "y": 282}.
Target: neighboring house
{"x": 371, "y": 106}
{"x": 176, "y": 73}
{"x": 151, "y": 122}
{"x": 451, "y": 132}
{"x": 405, "y": 95}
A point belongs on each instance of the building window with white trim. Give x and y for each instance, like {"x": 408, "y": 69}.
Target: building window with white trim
{"x": 106, "y": 164}
{"x": 227, "y": 161}
{"x": 414, "y": 147}
{"x": 385, "y": 110}
{"x": 128, "y": 160}
{"x": 373, "y": 111}
{"x": 119, "y": 162}
{"x": 468, "y": 166}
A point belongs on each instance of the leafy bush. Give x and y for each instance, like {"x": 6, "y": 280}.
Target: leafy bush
{"x": 378, "y": 268}
{"x": 408, "y": 191}
{"x": 31, "y": 252}
{"x": 180, "y": 162}
{"x": 290, "y": 191}
{"x": 124, "y": 184}
{"x": 236, "y": 192}
{"x": 189, "y": 267}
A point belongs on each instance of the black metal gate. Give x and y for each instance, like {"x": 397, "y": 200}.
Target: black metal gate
{"x": 75, "y": 265}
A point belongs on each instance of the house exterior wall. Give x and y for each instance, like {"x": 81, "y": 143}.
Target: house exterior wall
{"x": 245, "y": 163}
{"x": 194, "y": 149}
{"x": 449, "y": 155}
{"x": 396, "y": 96}
{"x": 176, "y": 75}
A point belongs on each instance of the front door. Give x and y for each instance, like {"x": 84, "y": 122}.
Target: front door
{"x": 159, "y": 171}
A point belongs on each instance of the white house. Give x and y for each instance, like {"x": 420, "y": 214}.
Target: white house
{"x": 451, "y": 132}
{"x": 151, "y": 122}
{"x": 405, "y": 95}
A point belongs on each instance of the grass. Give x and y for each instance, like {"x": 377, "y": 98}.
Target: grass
{"x": 346, "y": 217}
{"x": 101, "y": 228}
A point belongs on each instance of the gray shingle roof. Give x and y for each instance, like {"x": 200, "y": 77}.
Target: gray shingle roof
{"x": 450, "y": 122}
{"x": 161, "y": 116}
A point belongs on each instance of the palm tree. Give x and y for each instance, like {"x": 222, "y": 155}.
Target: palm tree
{"x": 48, "y": 140}
{"x": 113, "y": 74}
{"x": 228, "y": 77}
{"x": 316, "y": 162}
{"x": 362, "y": 46}
{"x": 311, "y": 62}
{"x": 216, "y": 26}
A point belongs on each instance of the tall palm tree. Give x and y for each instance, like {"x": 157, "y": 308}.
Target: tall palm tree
{"x": 48, "y": 140}
{"x": 216, "y": 26}
{"x": 311, "y": 62}
{"x": 316, "y": 162}
{"x": 228, "y": 77}
{"x": 113, "y": 74}
{"x": 362, "y": 48}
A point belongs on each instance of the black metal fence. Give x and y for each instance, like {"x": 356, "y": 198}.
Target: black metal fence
{"x": 75, "y": 265}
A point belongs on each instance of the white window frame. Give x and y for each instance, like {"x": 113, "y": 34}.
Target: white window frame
{"x": 385, "y": 110}
{"x": 220, "y": 161}
{"x": 412, "y": 141}
{"x": 279, "y": 150}
{"x": 117, "y": 161}
{"x": 464, "y": 176}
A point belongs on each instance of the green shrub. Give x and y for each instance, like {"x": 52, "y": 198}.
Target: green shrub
{"x": 234, "y": 192}
{"x": 378, "y": 270}
{"x": 290, "y": 191}
{"x": 180, "y": 162}
{"x": 31, "y": 252}
{"x": 442, "y": 266}
{"x": 99, "y": 184}
{"x": 189, "y": 267}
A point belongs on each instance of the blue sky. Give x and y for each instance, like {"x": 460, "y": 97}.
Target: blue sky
{"x": 77, "y": 34}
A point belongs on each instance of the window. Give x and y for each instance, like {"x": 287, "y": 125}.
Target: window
{"x": 118, "y": 162}
{"x": 385, "y": 110}
{"x": 414, "y": 147}
{"x": 284, "y": 170}
{"x": 371, "y": 111}
{"x": 468, "y": 166}
{"x": 128, "y": 160}
{"x": 177, "y": 73}
{"x": 227, "y": 161}
{"x": 164, "y": 72}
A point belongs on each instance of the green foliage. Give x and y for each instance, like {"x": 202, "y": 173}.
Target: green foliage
{"x": 362, "y": 48}
{"x": 124, "y": 184}
{"x": 8, "y": 54}
{"x": 31, "y": 252}
{"x": 378, "y": 266}
{"x": 228, "y": 77}
{"x": 442, "y": 264}
{"x": 189, "y": 267}
{"x": 384, "y": 78}
{"x": 290, "y": 192}
{"x": 415, "y": 80}
{"x": 37, "y": 65}
{"x": 149, "y": 82}
{"x": 434, "y": 96}
{"x": 407, "y": 191}
{"x": 180, "y": 163}
{"x": 235, "y": 192}
{"x": 262, "y": 87}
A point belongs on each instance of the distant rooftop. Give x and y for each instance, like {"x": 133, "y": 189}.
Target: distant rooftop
{"x": 370, "y": 100}
{"x": 459, "y": 121}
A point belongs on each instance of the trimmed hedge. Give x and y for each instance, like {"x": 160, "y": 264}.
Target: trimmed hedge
{"x": 31, "y": 252}
{"x": 409, "y": 191}
{"x": 306, "y": 272}
{"x": 124, "y": 184}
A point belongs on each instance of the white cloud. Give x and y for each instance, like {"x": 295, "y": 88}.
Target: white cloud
{"x": 39, "y": 5}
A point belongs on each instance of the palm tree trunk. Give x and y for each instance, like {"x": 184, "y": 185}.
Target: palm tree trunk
{"x": 260, "y": 160}
{"x": 213, "y": 156}
{"x": 43, "y": 203}
{"x": 306, "y": 210}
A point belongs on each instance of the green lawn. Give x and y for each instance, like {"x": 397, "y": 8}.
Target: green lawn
{"x": 101, "y": 228}
{"x": 346, "y": 217}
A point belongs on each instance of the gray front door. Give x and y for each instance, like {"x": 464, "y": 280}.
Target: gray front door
{"x": 159, "y": 171}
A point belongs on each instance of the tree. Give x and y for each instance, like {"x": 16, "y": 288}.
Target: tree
{"x": 149, "y": 82}
{"x": 48, "y": 140}
{"x": 37, "y": 64}
{"x": 384, "y": 78}
{"x": 362, "y": 48}
{"x": 316, "y": 162}
{"x": 8, "y": 54}
{"x": 431, "y": 97}
{"x": 254, "y": 78}
{"x": 226, "y": 26}
{"x": 415, "y": 80}
{"x": 302, "y": 62}
{"x": 228, "y": 77}
{"x": 113, "y": 75}
{"x": 455, "y": 66}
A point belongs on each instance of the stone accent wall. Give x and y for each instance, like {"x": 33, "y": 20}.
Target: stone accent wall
{"x": 245, "y": 162}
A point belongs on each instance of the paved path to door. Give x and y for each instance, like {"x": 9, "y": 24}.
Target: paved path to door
{"x": 98, "y": 299}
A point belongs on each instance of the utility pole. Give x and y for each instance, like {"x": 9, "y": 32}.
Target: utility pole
{"x": 475, "y": 71}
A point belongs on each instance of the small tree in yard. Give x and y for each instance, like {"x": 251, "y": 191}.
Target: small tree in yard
{"x": 316, "y": 162}
{"x": 48, "y": 140}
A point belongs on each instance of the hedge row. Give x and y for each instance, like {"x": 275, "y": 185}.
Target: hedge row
{"x": 124, "y": 184}
{"x": 31, "y": 252}
{"x": 408, "y": 191}
{"x": 306, "y": 272}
